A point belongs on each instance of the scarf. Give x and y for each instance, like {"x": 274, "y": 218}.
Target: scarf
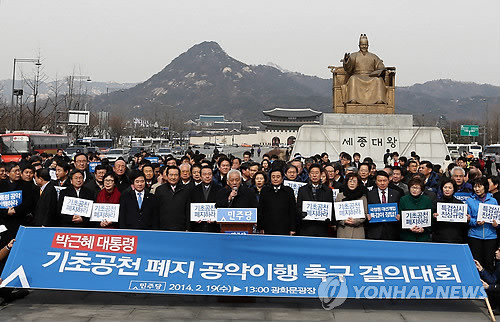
{"x": 353, "y": 194}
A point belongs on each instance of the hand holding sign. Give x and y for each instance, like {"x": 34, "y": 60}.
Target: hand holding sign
{"x": 203, "y": 212}
{"x": 77, "y": 219}
{"x": 106, "y": 213}
{"x": 451, "y": 212}
{"x": 488, "y": 213}
{"x": 11, "y": 199}
{"x": 353, "y": 209}
{"x": 77, "y": 207}
{"x": 316, "y": 210}
{"x": 383, "y": 212}
{"x": 417, "y": 230}
{"x": 416, "y": 219}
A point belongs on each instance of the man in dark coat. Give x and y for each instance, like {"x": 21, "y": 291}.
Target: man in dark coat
{"x": 138, "y": 207}
{"x": 364, "y": 174}
{"x": 277, "y": 207}
{"x": 314, "y": 191}
{"x": 235, "y": 195}
{"x": 173, "y": 201}
{"x": 82, "y": 164}
{"x": 381, "y": 193}
{"x": 13, "y": 217}
{"x": 432, "y": 179}
{"x": 205, "y": 192}
{"x": 77, "y": 190}
{"x": 45, "y": 212}
{"x": 120, "y": 169}
{"x": 223, "y": 167}
{"x": 97, "y": 184}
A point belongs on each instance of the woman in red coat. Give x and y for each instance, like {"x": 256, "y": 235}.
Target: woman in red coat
{"x": 110, "y": 194}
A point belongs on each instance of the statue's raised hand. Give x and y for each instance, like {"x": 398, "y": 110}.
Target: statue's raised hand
{"x": 346, "y": 57}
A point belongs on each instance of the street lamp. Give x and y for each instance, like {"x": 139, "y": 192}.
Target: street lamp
{"x": 20, "y": 92}
{"x": 69, "y": 100}
{"x": 485, "y": 120}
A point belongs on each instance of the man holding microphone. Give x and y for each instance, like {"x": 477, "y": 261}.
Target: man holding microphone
{"x": 234, "y": 194}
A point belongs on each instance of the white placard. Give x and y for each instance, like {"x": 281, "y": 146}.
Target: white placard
{"x": 317, "y": 210}
{"x": 488, "y": 213}
{"x": 76, "y": 206}
{"x": 105, "y": 211}
{"x": 419, "y": 218}
{"x": 335, "y": 193}
{"x": 203, "y": 212}
{"x": 349, "y": 209}
{"x": 452, "y": 212}
{"x": 53, "y": 175}
{"x": 294, "y": 185}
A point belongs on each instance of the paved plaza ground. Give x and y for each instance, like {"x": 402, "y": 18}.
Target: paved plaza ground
{"x": 42, "y": 305}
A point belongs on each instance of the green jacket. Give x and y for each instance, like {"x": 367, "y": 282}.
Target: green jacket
{"x": 410, "y": 203}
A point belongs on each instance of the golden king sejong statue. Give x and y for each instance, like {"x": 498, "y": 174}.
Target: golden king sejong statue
{"x": 363, "y": 85}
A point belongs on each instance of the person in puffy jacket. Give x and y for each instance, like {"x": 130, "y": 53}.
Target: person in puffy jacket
{"x": 482, "y": 235}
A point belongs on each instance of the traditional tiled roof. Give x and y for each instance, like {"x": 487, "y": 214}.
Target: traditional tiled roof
{"x": 292, "y": 112}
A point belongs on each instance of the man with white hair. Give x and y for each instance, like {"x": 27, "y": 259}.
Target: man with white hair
{"x": 458, "y": 176}
{"x": 186, "y": 175}
{"x": 234, "y": 194}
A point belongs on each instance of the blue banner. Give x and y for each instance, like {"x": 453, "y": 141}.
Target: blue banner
{"x": 241, "y": 215}
{"x": 92, "y": 166}
{"x": 11, "y": 199}
{"x": 462, "y": 196}
{"x": 153, "y": 159}
{"x": 383, "y": 212}
{"x": 251, "y": 265}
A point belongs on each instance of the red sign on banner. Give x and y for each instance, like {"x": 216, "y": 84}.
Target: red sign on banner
{"x": 96, "y": 243}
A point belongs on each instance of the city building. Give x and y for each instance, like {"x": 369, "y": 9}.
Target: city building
{"x": 284, "y": 123}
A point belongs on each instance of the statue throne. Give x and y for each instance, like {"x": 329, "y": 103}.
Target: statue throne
{"x": 340, "y": 78}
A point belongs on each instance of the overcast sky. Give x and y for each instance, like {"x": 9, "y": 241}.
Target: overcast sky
{"x": 130, "y": 40}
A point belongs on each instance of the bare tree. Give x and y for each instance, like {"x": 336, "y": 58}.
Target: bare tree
{"x": 35, "y": 116}
{"x": 56, "y": 101}
{"x": 4, "y": 112}
{"x": 117, "y": 126}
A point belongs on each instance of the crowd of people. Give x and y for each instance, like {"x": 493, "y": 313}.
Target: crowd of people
{"x": 158, "y": 195}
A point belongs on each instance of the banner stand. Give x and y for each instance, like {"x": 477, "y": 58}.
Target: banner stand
{"x": 492, "y": 316}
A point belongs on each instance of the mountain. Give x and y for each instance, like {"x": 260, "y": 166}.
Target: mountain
{"x": 47, "y": 88}
{"x": 206, "y": 80}
{"x": 449, "y": 89}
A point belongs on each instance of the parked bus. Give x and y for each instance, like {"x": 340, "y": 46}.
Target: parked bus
{"x": 103, "y": 144}
{"x": 12, "y": 145}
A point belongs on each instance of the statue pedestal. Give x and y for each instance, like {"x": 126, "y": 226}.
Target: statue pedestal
{"x": 364, "y": 109}
{"x": 358, "y": 119}
{"x": 370, "y": 135}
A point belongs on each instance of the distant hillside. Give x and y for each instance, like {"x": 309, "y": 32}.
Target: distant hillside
{"x": 206, "y": 80}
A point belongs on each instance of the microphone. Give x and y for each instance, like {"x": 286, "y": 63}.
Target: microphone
{"x": 235, "y": 189}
